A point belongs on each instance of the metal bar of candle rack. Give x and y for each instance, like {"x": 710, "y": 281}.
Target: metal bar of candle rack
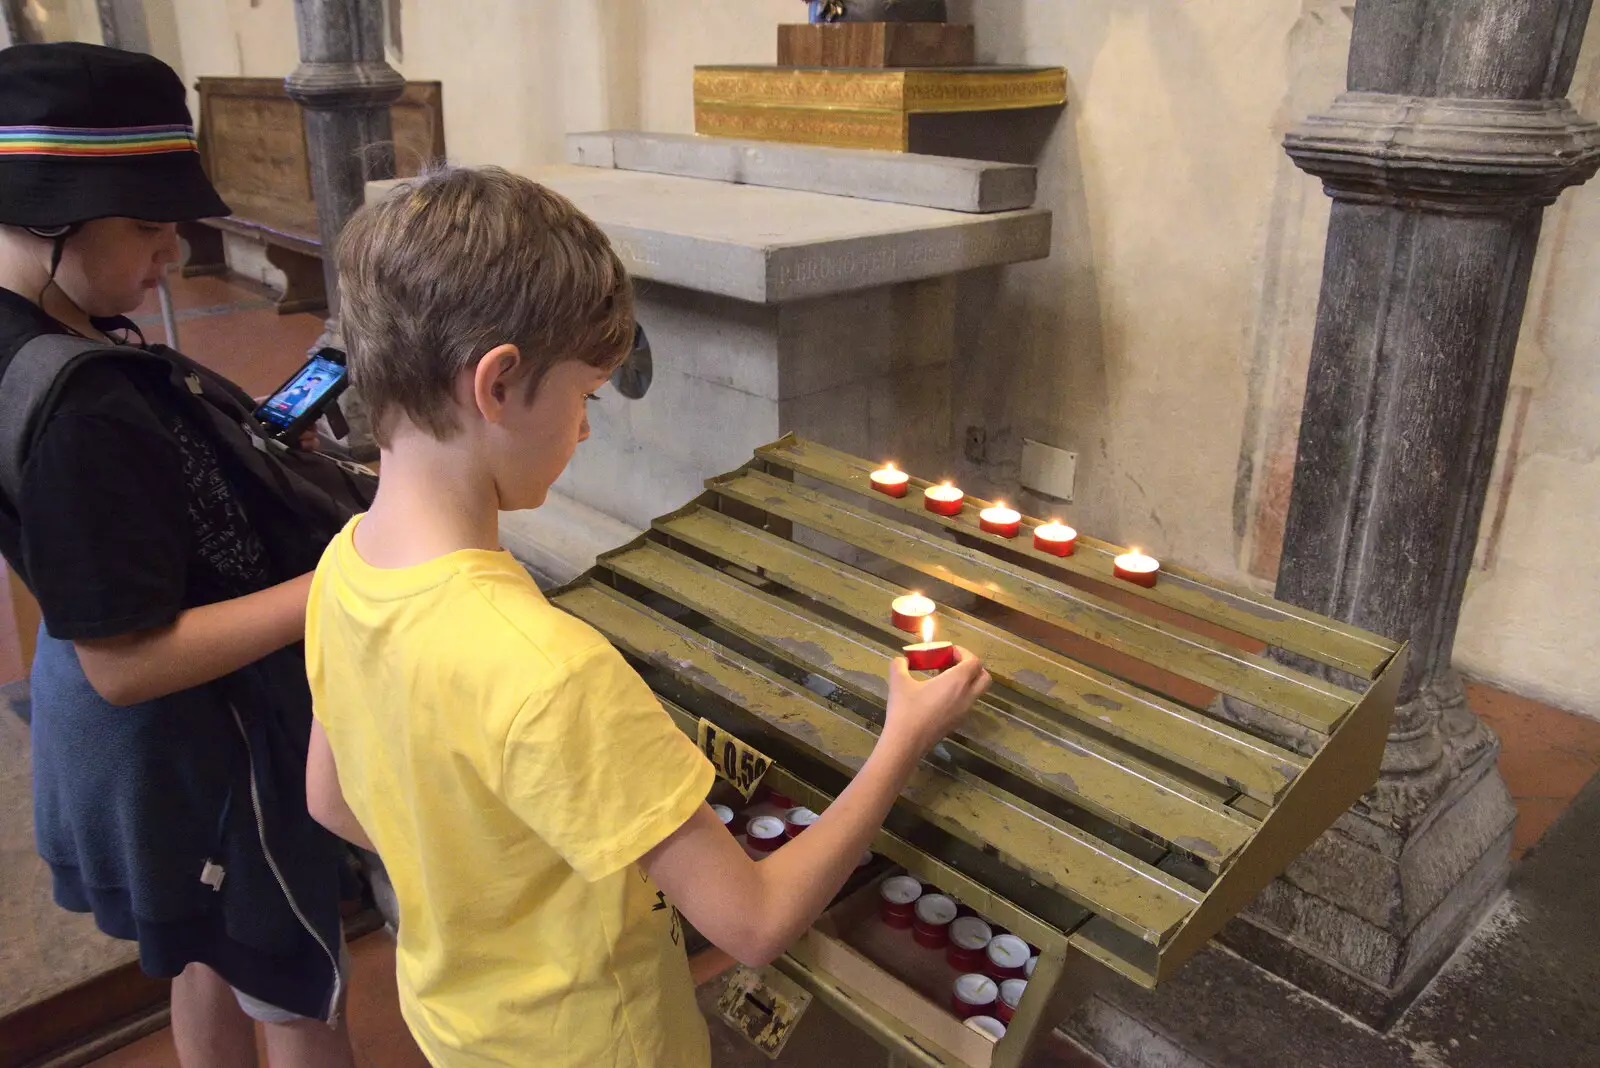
{"x": 1091, "y": 801}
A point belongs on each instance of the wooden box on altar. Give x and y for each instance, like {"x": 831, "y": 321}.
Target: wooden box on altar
{"x": 876, "y": 44}
{"x": 859, "y": 107}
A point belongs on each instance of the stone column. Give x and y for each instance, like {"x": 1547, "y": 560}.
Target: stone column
{"x": 1440, "y": 159}
{"x": 122, "y": 24}
{"x": 345, "y": 87}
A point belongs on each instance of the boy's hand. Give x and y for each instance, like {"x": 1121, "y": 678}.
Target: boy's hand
{"x": 920, "y": 713}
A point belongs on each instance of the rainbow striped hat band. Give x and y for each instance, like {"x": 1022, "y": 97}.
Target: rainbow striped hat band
{"x": 79, "y": 142}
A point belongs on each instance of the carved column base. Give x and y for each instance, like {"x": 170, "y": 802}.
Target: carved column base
{"x": 1367, "y": 916}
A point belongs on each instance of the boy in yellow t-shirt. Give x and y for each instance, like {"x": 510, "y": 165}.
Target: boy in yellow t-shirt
{"x": 534, "y": 805}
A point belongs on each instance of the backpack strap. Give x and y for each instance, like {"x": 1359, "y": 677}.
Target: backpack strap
{"x": 323, "y": 491}
{"x": 28, "y": 390}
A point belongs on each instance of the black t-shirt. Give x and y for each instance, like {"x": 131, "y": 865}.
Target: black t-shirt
{"x": 127, "y": 515}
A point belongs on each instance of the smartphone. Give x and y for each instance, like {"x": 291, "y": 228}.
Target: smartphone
{"x": 300, "y": 402}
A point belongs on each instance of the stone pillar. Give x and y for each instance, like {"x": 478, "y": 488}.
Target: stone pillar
{"x": 345, "y": 87}
{"x": 1440, "y": 159}
{"x": 122, "y": 24}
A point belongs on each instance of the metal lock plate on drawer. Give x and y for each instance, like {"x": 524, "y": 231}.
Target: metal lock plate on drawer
{"x": 763, "y": 1005}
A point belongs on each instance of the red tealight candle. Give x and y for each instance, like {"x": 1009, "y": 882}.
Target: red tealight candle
{"x": 973, "y": 995}
{"x": 765, "y": 833}
{"x": 1008, "y": 957}
{"x": 890, "y": 480}
{"x": 898, "y": 896}
{"x": 943, "y": 499}
{"x": 1011, "y": 992}
{"x": 1000, "y": 520}
{"x": 929, "y": 655}
{"x": 772, "y": 797}
{"x": 1055, "y": 538}
{"x": 990, "y": 1027}
{"x": 931, "y": 923}
{"x": 1135, "y": 567}
{"x": 969, "y": 938}
{"x": 797, "y": 820}
{"x": 909, "y": 612}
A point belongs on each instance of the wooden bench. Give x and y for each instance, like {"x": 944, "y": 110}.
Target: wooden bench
{"x": 253, "y": 145}
{"x": 1084, "y": 805}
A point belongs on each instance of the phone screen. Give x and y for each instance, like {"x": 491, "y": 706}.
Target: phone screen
{"x": 306, "y": 388}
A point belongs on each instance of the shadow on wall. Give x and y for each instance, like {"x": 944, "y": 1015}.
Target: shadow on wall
{"x": 1023, "y": 333}
{"x": 1291, "y": 257}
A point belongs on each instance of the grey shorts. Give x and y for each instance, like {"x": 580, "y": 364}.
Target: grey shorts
{"x": 262, "y": 1012}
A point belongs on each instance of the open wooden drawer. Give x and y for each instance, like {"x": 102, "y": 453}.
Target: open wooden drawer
{"x": 1097, "y": 802}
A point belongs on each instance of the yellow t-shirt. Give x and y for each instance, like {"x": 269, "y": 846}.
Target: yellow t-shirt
{"x": 510, "y": 768}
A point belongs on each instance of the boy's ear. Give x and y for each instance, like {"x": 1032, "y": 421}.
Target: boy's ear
{"x": 493, "y": 378}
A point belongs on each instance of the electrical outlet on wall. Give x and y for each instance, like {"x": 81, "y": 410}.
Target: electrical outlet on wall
{"x": 1047, "y": 470}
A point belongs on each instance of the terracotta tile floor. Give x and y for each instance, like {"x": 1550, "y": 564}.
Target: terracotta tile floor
{"x": 376, "y": 1030}
{"x": 1548, "y": 754}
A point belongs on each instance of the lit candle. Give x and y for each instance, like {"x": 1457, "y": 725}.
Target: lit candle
{"x": 887, "y": 479}
{"x": 908, "y": 612}
{"x": 1055, "y": 538}
{"x": 943, "y": 499}
{"x": 1000, "y": 520}
{"x": 929, "y": 655}
{"x": 1137, "y": 568}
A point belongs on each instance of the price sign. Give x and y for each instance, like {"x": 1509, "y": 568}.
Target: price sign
{"x": 740, "y": 764}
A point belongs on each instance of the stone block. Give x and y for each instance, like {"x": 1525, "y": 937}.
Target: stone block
{"x": 773, "y": 246}
{"x": 646, "y": 457}
{"x": 729, "y": 342}
{"x": 859, "y": 337}
{"x": 560, "y": 539}
{"x": 893, "y": 177}
{"x": 1396, "y": 888}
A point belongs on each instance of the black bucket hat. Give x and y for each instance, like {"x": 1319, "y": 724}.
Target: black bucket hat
{"x": 88, "y": 132}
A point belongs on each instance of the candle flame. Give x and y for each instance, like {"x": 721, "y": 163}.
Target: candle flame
{"x": 927, "y": 629}
{"x": 999, "y": 504}
{"x": 889, "y": 466}
{"x": 946, "y": 484}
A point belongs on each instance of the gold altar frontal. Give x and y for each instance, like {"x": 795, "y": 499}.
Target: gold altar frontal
{"x": 858, "y": 107}
{"x": 1091, "y": 804}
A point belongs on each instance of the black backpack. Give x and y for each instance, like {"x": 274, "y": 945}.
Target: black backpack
{"x": 321, "y": 491}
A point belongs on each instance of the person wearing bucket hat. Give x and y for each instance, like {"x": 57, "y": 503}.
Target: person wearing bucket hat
{"x": 170, "y": 709}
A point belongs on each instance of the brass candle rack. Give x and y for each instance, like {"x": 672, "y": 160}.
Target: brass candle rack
{"x": 1093, "y": 803}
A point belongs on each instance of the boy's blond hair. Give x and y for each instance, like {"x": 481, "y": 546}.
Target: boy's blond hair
{"x": 458, "y": 261}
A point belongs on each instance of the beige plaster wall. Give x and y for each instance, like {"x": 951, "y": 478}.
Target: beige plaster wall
{"x": 1165, "y": 341}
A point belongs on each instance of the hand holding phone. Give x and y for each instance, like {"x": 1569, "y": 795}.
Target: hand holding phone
{"x": 297, "y": 404}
